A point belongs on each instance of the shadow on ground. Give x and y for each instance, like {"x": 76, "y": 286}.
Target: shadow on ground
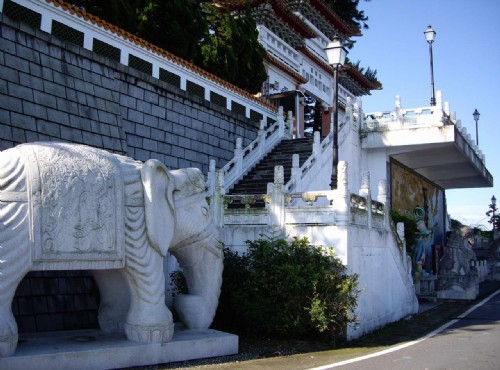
{"x": 431, "y": 317}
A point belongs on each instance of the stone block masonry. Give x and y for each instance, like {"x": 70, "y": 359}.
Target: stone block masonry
{"x": 56, "y": 91}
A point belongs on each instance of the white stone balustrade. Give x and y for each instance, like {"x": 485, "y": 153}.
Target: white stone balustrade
{"x": 430, "y": 116}
{"x": 245, "y": 158}
{"x": 482, "y": 269}
{"x": 282, "y": 208}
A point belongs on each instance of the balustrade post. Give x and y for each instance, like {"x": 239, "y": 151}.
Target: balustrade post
{"x": 364, "y": 191}
{"x": 361, "y": 115}
{"x": 439, "y": 101}
{"x": 281, "y": 122}
{"x": 296, "y": 175}
{"x": 277, "y": 201}
{"x": 316, "y": 144}
{"x": 262, "y": 138}
{"x": 400, "y": 229}
{"x": 349, "y": 109}
{"x": 382, "y": 198}
{"x": 398, "y": 110}
{"x": 289, "y": 133}
{"x": 218, "y": 199}
{"x": 341, "y": 202}
{"x": 211, "y": 178}
{"x": 238, "y": 156}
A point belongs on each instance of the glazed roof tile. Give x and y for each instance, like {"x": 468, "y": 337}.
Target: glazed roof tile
{"x": 338, "y": 22}
{"x": 278, "y": 7}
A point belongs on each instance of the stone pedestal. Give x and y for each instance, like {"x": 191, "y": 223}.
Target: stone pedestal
{"x": 93, "y": 349}
{"x": 458, "y": 287}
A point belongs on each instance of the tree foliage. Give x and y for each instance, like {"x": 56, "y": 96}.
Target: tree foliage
{"x": 210, "y": 36}
{"x": 349, "y": 12}
{"x": 282, "y": 289}
{"x": 232, "y": 50}
{"x": 195, "y": 30}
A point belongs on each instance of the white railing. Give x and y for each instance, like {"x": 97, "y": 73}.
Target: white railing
{"x": 160, "y": 59}
{"x": 431, "y": 116}
{"x": 245, "y": 158}
{"x": 281, "y": 208}
{"x": 280, "y": 49}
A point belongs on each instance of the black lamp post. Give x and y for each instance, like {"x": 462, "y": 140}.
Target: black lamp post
{"x": 336, "y": 54}
{"x": 430, "y": 34}
{"x": 491, "y": 213}
{"x": 476, "y": 115}
{"x": 494, "y": 208}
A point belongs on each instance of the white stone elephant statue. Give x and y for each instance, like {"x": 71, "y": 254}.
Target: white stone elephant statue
{"x": 68, "y": 206}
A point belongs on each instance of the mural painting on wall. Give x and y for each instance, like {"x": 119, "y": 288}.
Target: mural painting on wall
{"x": 417, "y": 198}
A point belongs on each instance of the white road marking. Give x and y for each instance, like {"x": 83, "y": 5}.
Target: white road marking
{"x": 408, "y": 344}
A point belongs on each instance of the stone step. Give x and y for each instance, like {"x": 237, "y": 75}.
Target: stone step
{"x": 256, "y": 180}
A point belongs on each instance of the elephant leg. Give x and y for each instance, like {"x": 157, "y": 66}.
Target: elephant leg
{"x": 202, "y": 264}
{"x": 115, "y": 300}
{"x": 148, "y": 319}
{"x": 14, "y": 264}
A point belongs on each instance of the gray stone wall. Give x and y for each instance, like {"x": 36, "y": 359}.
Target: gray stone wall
{"x": 56, "y": 91}
{"x": 53, "y": 90}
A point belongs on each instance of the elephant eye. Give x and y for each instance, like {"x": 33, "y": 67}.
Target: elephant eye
{"x": 204, "y": 211}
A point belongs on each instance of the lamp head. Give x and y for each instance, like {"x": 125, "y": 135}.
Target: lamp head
{"x": 430, "y": 34}
{"x": 493, "y": 200}
{"x": 476, "y": 115}
{"x": 336, "y": 53}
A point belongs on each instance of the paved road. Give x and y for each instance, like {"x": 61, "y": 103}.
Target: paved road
{"x": 471, "y": 342}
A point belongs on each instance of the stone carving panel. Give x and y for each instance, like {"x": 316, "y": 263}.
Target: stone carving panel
{"x": 77, "y": 203}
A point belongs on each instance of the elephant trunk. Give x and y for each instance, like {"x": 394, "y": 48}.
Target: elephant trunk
{"x": 201, "y": 259}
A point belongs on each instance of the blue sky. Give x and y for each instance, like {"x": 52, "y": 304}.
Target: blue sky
{"x": 466, "y": 69}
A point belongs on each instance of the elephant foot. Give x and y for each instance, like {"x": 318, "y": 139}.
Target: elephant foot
{"x": 149, "y": 333}
{"x": 109, "y": 323}
{"x": 192, "y": 311}
{"x": 8, "y": 341}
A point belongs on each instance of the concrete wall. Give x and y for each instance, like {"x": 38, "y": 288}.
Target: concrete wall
{"x": 55, "y": 91}
{"x": 387, "y": 293}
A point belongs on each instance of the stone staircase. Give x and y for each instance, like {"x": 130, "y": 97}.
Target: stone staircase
{"x": 256, "y": 180}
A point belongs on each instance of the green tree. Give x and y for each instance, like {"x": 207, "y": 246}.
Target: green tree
{"x": 120, "y": 13}
{"x": 178, "y": 26}
{"x": 349, "y": 12}
{"x": 232, "y": 50}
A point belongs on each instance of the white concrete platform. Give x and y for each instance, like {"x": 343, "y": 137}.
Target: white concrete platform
{"x": 93, "y": 349}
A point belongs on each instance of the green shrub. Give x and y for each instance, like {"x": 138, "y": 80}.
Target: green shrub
{"x": 282, "y": 289}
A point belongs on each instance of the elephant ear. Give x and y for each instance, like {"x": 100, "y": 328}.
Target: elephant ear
{"x": 158, "y": 204}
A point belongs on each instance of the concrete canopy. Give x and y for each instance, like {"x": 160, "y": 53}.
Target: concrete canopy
{"x": 438, "y": 153}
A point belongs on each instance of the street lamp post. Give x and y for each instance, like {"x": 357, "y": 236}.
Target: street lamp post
{"x": 336, "y": 54}
{"x": 476, "y": 115}
{"x": 494, "y": 208}
{"x": 491, "y": 213}
{"x": 430, "y": 34}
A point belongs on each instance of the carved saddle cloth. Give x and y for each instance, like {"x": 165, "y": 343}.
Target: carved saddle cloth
{"x": 76, "y": 198}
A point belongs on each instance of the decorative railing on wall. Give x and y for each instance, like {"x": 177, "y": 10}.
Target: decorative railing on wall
{"x": 71, "y": 24}
{"x": 245, "y": 158}
{"x": 267, "y": 139}
{"x": 431, "y": 116}
{"x": 304, "y": 208}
